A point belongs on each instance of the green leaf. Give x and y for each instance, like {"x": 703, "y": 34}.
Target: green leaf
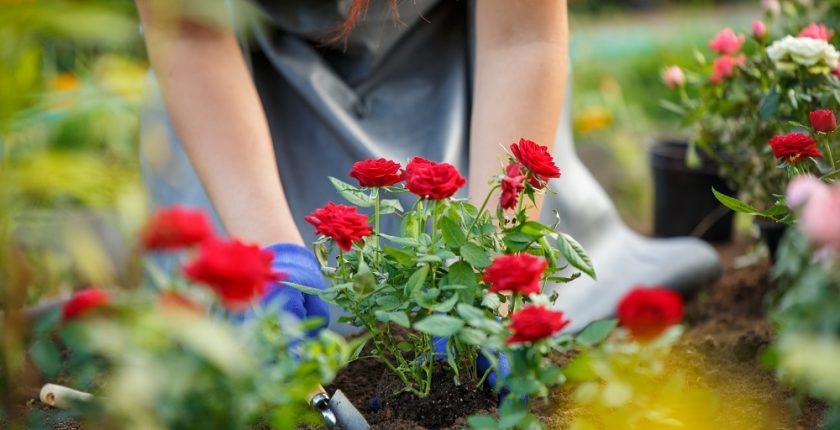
{"x": 491, "y": 301}
{"x": 735, "y": 204}
{"x": 351, "y": 194}
{"x": 430, "y": 259}
{"x": 481, "y": 422}
{"x": 402, "y": 257}
{"x": 769, "y": 105}
{"x": 363, "y": 280}
{"x": 452, "y": 232}
{"x": 470, "y": 312}
{"x": 389, "y": 206}
{"x": 405, "y": 241}
{"x": 388, "y": 303}
{"x": 461, "y": 273}
{"x": 304, "y": 289}
{"x": 575, "y": 254}
{"x": 46, "y": 356}
{"x": 596, "y": 332}
{"x": 398, "y": 317}
{"x": 446, "y": 305}
{"x": 518, "y": 241}
{"x": 475, "y": 255}
{"x": 439, "y": 325}
{"x": 416, "y": 281}
{"x": 472, "y": 336}
{"x": 672, "y": 107}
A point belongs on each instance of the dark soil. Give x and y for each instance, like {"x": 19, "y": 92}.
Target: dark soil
{"x": 721, "y": 350}
{"x": 374, "y": 391}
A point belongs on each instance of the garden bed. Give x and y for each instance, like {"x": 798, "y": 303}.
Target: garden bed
{"x": 722, "y": 347}
{"x": 726, "y": 334}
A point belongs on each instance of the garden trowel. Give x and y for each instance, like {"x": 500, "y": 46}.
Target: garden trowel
{"x": 338, "y": 412}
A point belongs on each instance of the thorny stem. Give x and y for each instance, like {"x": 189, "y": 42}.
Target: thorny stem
{"x": 827, "y": 142}
{"x": 342, "y": 266}
{"x": 481, "y": 210}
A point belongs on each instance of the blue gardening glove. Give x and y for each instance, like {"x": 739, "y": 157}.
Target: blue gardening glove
{"x": 301, "y": 267}
{"x": 481, "y": 364}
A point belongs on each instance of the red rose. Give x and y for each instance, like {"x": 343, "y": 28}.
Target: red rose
{"x": 823, "y": 120}
{"x": 726, "y": 42}
{"x": 794, "y": 147}
{"x": 724, "y": 66}
{"x": 816, "y": 31}
{"x": 517, "y": 273}
{"x": 533, "y": 323}
{"x": 237, "y": 272}
{"x": 647, "y": 312}
{"x": 536, "y": 159}
{"x": 175, "y": 227}
{"x": 83, "y": 301}
{"x": 512, "y": 186}
{"x": 435, "y": 181}
{"x": 340, "y": 223}
{"x": 377, "y": 173}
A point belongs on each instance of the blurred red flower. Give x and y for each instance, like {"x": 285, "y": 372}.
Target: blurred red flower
{"x": 727, "y": 42}
{"x": 647, "y": 312}
{"x": 512, "y": 186}
{"x": 174, "y": 228}
{"x": 817, "y": 31}
{"x": 84, "y": 301}
{"x": 237, "y": 272}
{"x": 823, "y": 120}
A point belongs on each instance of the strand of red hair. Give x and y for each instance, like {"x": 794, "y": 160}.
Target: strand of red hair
{"x": 357, "y": 11}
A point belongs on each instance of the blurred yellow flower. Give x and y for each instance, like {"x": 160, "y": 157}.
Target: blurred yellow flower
{"x": 593, "y": 119}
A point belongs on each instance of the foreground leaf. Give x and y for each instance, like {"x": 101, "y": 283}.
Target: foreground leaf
{"x": 439, "y": 325}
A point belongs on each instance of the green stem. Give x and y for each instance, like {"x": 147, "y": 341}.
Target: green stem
{"x": 521, "y": 202}
{"x": 429, "y": 365}
{"x": 342, "y": 266}
{"x": 481, "y": 210}
{"x": 828, "y": 150}
{"x": 376, "y": 256}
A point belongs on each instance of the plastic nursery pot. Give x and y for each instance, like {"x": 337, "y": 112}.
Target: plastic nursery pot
{"x": 771, "y": 233}
{"x": 683, "y": 201}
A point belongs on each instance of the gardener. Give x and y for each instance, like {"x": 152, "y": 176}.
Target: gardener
{"x": 448, "y": 80}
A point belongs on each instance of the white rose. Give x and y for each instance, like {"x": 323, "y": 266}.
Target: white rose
{"x": 818, "y": 55}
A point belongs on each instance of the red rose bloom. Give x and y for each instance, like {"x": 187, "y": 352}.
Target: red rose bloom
{"x": 517, "y": 273}
{"x": 237, "y": 272}
{"x": 727, "y": 42}
{"x": 512, "y": 186}
{"x": 84, "y": 301}
{"x": 816, "y": 31}
{"x": 174, "y": 228}
{"x": 340, "y": 223}
{"x": 536, "y": 159}
{"x": 533, "y": 323}
{"x": 823, "y": 120}
{"x": 435, "y": 181}
{"x": 647, "y": 312}
{"x": 377, "y": 173}
{"x": 794, "y": 147}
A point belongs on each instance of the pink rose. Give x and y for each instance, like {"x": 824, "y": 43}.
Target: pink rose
{"x": 724, "y": 67}
{"x": 816, "y": 31}
{"x": 759, "y": 29}
{"x": 819, "y": 220}
{"x": 726, "y": 42}
{"x": 801, "y": 188}
{"x": 673, "y": 77}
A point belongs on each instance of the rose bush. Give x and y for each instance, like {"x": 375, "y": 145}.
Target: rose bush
{"x": 472, "y": 277}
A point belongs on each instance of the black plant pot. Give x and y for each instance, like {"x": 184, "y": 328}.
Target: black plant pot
{"x": 683, "y": 203}
{"x": 771, "y": 233}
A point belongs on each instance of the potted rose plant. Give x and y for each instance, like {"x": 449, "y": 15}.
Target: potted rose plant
{"x": 757, "y": 89}
{"x": 458, "y": 283}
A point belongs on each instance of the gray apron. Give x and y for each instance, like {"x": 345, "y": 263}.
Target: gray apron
{"x": 397, "y": 89}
